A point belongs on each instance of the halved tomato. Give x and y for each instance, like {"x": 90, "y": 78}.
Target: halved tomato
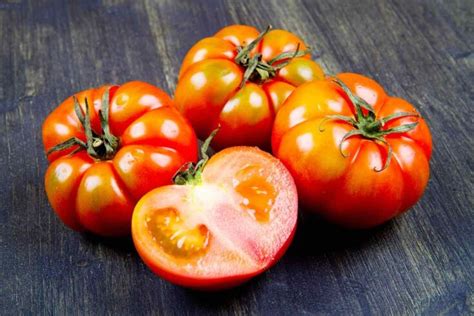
{"x": 232, "y": 219}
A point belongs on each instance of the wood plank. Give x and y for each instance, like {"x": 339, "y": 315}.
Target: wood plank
{"x": 420, "y": 263}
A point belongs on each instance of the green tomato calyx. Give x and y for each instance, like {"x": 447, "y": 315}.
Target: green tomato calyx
{"x": 101, "y": 146}
{"x": 256, "y": 69}
{"x": 190, "y": 172}
{"x": 367, "y": 125}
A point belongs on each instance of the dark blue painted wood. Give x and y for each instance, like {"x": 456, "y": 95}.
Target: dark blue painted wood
{"x": 420, "y": 263}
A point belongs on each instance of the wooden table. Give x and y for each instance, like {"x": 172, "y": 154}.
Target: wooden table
{"x": 420, "y": 263}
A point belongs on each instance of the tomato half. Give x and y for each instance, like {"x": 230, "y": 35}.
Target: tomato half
{"x": 358, "y": 156}
{"x": 136, "y": 142}
{"x": 219, "y": 231}
{"x": 238, "y": 79}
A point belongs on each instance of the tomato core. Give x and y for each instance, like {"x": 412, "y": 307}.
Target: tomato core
{"x": 258, "y": 195}
{"x": 170, "y": 232}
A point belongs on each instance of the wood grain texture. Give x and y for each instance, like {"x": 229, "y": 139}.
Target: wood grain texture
{"x": 420, "y": 263}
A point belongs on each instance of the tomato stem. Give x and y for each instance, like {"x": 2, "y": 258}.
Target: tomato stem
{"x": 367, "y": 125}
{"x": 258, "y": 70}
{"x": 191, "y": 172}
{"x": 99, "y": 146}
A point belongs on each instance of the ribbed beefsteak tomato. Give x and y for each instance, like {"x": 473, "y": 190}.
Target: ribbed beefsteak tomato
{"x": 238, "y": 79}
{"x": 358, "y": 156}
{"x": 105, "y": 157}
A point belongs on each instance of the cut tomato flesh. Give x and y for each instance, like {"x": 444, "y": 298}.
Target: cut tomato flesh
{"x": 257, "y": 193}
{"x": 233, "y": 225}
{"x": 170, "y": 233}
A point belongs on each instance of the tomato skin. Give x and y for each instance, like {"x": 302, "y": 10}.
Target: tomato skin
{"x": 238, "y": 121}
{"x": 103, "y": 204}
{"x": 98, "y": 196}
{"x": 210, "y": 78}
{"x": 143, "y": 167}
{"x": 208, "y": 85}
{"x": 61, "y": 184}
{"x": 254, "y": 246}
{"x": 164, "y": 127}
{"x": 349, "y": 191}
{"x": 133, "y": 99}
{"x": 238, "y": 35}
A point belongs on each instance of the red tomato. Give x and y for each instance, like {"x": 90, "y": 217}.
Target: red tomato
{"x": 227, "y": 224}
{"x": 238, "y": 79}
{"x": 358, "y": 156}
{"x": 140, "y": 144}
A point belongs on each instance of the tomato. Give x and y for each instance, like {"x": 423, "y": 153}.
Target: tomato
{"x": 227, "y": 221}
{"x": 106, "y": 157}
{"x": 358, "y": 156}
{"x": 238, "y": 79}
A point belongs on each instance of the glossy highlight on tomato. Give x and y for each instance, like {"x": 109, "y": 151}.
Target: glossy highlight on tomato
{"x": 218, "y": 87}
{"x": 95, "y": 189}
{"x": 225, "y": 226}
{"x": 358, "y": 156}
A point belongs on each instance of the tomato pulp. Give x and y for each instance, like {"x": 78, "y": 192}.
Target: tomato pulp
{"x": 231, "y": 224}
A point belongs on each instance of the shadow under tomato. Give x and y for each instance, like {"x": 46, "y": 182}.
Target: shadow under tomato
{"x": 122, "y": 245}
{"x": 315, "y": 236}
{"x": 210, "y": 300}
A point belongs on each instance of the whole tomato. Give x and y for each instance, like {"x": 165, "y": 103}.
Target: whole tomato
{"x": 238, "y": 79}
{"x": 109, "y": 146}
{"x": 358, "y": 156}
